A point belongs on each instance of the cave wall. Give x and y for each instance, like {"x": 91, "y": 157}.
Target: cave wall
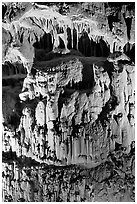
{"x": 68, "y": 112}
{"x": 68, "y": 102}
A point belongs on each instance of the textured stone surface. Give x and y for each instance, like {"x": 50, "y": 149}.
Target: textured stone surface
{"x": 68, "y": 102}
{"x": 110, "y": 181}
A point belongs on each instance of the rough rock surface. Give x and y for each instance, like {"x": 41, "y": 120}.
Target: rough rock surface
{"x": 68, "y": 102}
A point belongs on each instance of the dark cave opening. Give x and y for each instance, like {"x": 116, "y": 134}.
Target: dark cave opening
{"x": 74, "y": 39}
{"x": 112, "y": 19}
{"x": 84, "y": 44}
{"x": 87, "y": 47}
{"x": 43, "y": 47}
{"x": 92, "y": 45}
{"x": 98, "y": 50}
{"x": 45, "y": 43}
{"x": 132, "y": 53}
{"x": 129, "y": 50}
{"x": 61, "y": 44}
{"x": 91, "y": 48}
{"x": 104, "y": 48}
{"x": 69, "y": 38}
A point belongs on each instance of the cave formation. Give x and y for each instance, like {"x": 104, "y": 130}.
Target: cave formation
{"x": 68, "y": 102}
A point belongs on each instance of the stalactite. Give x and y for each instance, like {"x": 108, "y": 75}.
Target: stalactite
{"x": 72, "y": 36}
{"x": 111, "y": 47}
{"x": 65, "y": 39}
{"x": 80, "y": 28}
{"x": 77, "y": 36}
{"x": 56, "y": 40}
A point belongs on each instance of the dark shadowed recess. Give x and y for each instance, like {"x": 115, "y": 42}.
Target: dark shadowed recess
{"x": 115, "y": 18}
{"x": 129, "y": 50}
{"x": 86, "y": 46}
{"x": 12, "y": 81}
{"x": 9, "y": 69}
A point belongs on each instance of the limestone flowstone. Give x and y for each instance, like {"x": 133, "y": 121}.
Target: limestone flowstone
{"x": 68, "y": 102}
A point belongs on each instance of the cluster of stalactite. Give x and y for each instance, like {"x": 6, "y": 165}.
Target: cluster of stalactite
{"x": 52, "y": 34}
{"x": 86, "y": 45}
{"x": 62, "y": 35}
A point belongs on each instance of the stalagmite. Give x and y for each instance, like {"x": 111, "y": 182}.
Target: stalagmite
{"x": 73, "y": 151}
{"x": 57, "y": 149}
{"x": 83, "y": 152}
{"x": 51, "y": 139}
{"x": 69, "y": 151}
{"x": 112, "y": 46}
{"x": 76, "y": 149}
{"x": 40, "y": 114}
{"x": 88, "y": 150}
